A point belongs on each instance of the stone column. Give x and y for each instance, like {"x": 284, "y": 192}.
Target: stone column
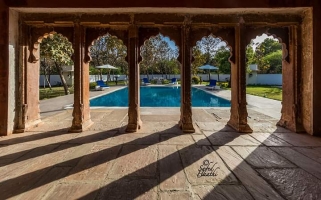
{"x": 238, "y": 119}
{"x": 134, "y": 121}
{"x": 291, "y": 69}
{"x": 81, "y": 113}
{"x": 186, "y": 122}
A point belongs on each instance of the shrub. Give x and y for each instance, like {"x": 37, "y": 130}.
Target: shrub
{"x": 92, "y": 85}
{"x": 195, "y": 79}
{"x": 165, "y": 81}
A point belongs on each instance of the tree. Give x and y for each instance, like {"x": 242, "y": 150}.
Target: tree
{"x": 222, "y": 60}
{"x": 57, "y": 50}
{"x": 273, "y": 62}
{"x": 158, "y": 56}
{"x": 267, "y": 47}
{"x": 109, "y": 50}
{"x": 211, "y": 51}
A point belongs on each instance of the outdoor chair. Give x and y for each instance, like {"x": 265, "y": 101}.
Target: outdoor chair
{"x": 146, "y": 81}
{"x": 101, "y": 85}
{"x": 212, "y": 85}
{"x": 174, "y": 81}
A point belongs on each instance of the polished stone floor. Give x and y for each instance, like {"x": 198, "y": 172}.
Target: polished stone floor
{"x": 159, "y": 161}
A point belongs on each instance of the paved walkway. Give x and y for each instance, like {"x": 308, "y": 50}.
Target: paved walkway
{"x": 159, "y": 161}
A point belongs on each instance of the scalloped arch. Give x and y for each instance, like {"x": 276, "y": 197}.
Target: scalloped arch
{"x": 92, "y": 43}
{"x": 221, "y": 39}
{"x": 154, "y": 36}
{"x": 37, "y": 40}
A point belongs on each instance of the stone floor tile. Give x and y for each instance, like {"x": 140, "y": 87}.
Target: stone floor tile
{"x": 215, "y": 126}
{"x": 134, "y": 138}
{"x": 300, "y": 160}
{"x": 105, "y": 126}
{"x": 299, "y": 139}
{"x": 160, "y": 118}
{"x": 293, "y": 184}
{"x": 71, "y": 154}
{"x": 102, "y": 137}
{"x": 172, "y": 176}
{"x": 174, "y": 139}
{"x": 135, "y": 160}
{"x": 176, "y": 195}
{"x": 222, "y": 192}
{"x": 269, "y": 139}
{"x": 262, "y": 157}
{"x": 26, "y": 163}
{"x": 257, "y": 186}
{"x": 221, "y": 114}
{"x": 116, "y": 115}
{"x": 124, "y": 189}
{"x": 196, "y": 158}
{"x": 230, "y": 138}
{"x": 201, "y": 140}
{"x": 45, "y": 184}
{"x": 200, "y": 115}
{"x": 266, "y": 127}
{"x": 94, "y": 166}
{"x": 312, "y": 152}
{"x": 74, "y": 191}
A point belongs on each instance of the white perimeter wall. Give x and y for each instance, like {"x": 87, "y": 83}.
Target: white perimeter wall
{"x": 258, "y": 79}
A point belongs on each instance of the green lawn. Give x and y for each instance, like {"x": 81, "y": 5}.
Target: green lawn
{"x": 46, "y": 93}
{"x": 271, "y": 92}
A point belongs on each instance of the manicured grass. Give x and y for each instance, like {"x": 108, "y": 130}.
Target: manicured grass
{"x": 46, "y": 93}
{"x": 271, "y": 92}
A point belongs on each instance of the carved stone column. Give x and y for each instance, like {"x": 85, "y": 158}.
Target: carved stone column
{"x": 291, "y": 69}
{"x": 186, "y": 122}
{"x": 81, "y": 113}
{"x": 238, "y": 119}
{"x": 134, "y": 121}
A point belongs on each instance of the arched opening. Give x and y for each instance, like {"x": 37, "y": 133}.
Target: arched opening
{"x": 264, "y": 61}
{"x": 211, "y": 72}
{"x": 48, "y": 74}
{"x": 108, "y": 72}
{"x": 159, "y": 73}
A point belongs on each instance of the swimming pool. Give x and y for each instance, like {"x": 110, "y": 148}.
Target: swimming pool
{"x": 159, "y": 97}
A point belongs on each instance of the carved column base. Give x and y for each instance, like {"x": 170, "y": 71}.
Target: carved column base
{"x": 187, "y": 127}
{"x": 134, "y": 127}
{"x": 292, "y": 126}
{"x": 29, "y": 125}
{"x": 241, "y": 128}
{"x": 77, "y": 128}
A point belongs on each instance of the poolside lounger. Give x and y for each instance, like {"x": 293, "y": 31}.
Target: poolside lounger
{"x": 101, "y": 85}
{"x": 174, "y": 81}
{"x": 212, "y": 85}
{"x": 145, "y": 81}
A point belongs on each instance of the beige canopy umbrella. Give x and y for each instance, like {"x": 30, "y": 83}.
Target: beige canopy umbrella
{"x": 105, "y": 67}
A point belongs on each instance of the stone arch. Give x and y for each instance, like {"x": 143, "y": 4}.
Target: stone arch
{"x": 94, "y": 34}
{"x": 279, "y": 33}
{"x": 38, "y": 34}
{"x": 225, "y": 34}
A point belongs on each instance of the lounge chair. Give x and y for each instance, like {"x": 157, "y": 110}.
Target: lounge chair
{"x": 174, "y": 81}
{"x": 101, "y": 85}
{"x": 146, "y": 81}
{"x": 212, "y": 85}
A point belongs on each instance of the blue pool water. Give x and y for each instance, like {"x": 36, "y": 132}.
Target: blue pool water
{"x": 159, "y": 97}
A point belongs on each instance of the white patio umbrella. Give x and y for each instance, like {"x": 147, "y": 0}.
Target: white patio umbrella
{"x": 105, "y": 67}
{"x": 209, "y": 68}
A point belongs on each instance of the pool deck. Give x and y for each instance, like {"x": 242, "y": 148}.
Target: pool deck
{"x": 159, "y": 161}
